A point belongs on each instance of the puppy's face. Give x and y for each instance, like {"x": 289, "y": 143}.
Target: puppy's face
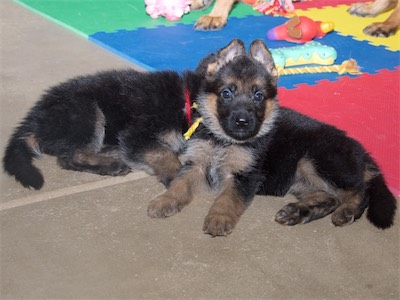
{"x": 238, "y": 99}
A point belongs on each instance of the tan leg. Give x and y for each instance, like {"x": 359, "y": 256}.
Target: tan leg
{"x": 311, "y": 206}
{"x": 164, "y": 163}
{"x": 179, "y": 194}
{"x": 371, "y": 9}
{"x": 225, "y": 212}
{"x": 106, "y": 162}
{"x": 387, "y": 28}
{"x": 218, "y": 16}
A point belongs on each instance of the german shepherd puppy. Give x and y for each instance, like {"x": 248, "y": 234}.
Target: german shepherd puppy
{"x": 245, "y": 145}
{"x": 379, "y": 29}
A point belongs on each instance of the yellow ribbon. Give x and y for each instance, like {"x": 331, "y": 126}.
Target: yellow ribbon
{"x": 188, "y": 134}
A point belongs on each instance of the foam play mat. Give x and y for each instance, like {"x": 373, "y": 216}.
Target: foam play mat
{"x": 365, "y": 105}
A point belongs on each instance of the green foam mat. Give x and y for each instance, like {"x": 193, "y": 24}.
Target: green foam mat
{"x": 91, "y": 16}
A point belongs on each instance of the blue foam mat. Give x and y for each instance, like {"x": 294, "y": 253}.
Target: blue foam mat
{"x": 182, "y": 47}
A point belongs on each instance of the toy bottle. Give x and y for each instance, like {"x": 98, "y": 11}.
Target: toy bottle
{"x": 300, "y": 30}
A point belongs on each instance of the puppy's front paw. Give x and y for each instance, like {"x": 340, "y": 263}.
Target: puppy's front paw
{"x": 163, "y": 206}
{"x": 380, "y": 30}
{"x": 207, "y": 22}
{"x": 219, "y": 224}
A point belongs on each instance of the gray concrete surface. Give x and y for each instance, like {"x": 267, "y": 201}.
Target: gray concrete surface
{"x": 85, "y": 236}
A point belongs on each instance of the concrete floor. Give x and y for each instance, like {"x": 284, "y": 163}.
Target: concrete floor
{"x": 89, "y": 237}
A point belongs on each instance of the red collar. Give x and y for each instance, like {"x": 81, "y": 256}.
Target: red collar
{"x": 188, "y": 106}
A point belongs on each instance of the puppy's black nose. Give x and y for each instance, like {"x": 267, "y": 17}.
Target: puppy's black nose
{"x": 242, "y": 122}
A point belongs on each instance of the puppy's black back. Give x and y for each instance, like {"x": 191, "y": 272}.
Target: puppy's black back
{"x": 296, "y": 136}
{"x": 125, "y": 97}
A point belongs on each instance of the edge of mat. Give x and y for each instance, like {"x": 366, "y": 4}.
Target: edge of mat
{"x": 73, "y": 29}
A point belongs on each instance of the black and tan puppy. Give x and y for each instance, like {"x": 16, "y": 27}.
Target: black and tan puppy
{"x": 245, "y": 145}
{"x": 107, "y": 123}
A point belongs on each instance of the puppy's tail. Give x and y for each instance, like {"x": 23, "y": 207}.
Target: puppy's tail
{"x": 20, "y": 152}
{"x": 382, "y": 203}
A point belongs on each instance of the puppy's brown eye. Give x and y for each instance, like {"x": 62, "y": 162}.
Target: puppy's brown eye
{"x": 258, "y": 96}
{"x": 226, "y": 94}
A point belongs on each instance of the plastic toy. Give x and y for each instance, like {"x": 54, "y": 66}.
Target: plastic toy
{"x": 309, "y": 53}
{"x": 300, "y": 29}
{"x": 172, "y": 10}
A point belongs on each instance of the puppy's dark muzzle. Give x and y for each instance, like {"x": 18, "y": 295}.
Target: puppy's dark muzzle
{"x": 241, "y": 125}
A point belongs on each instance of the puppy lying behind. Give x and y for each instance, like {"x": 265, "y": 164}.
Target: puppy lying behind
{"x": 245, "y": 145}
{"x": 379, "y": 29}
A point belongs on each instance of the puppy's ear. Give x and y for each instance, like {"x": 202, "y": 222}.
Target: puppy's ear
{"x": 204, "y": 64}
{"x": 259, "y": 52}
{"x": 225, "y": 55}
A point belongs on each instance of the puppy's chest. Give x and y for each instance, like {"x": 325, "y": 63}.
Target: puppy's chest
{"x": 217, "y": 162}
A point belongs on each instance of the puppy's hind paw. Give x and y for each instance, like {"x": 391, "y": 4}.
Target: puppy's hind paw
{"x": 344, "y": 215}
{"x": 292, "y": 214}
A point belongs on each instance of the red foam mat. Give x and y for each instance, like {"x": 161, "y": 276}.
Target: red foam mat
{"x": 367, "y": 107}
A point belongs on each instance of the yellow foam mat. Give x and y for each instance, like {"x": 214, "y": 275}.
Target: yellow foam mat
{"x": 346, "y": 24}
